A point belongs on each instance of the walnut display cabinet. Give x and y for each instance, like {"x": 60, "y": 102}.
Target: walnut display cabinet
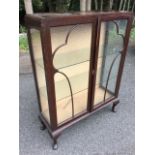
{"x": 77, "y": 61}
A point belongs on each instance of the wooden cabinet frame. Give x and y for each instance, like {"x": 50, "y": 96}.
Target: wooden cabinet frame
{"x": 43, "y": 23}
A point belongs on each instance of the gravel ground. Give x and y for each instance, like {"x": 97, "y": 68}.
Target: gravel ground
{"x": 104, "y": 133}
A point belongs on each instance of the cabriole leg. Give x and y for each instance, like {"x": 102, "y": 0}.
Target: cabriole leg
{"x": 42, "y": 126}
{"x": 55, "y": 144}
{"x": 114, "y": 105}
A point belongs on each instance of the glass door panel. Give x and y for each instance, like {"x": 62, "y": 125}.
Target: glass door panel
{"x": 110, "y": 47}
{"x": 71, "y": 48}
{"x": 75, "y": 41}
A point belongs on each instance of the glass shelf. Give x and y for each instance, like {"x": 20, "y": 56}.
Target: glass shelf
{"x": 40, "y": 60}
{"x": 64, "y": 106}
{"x": 78, "y": 76}
{"x": 40, "y": 63}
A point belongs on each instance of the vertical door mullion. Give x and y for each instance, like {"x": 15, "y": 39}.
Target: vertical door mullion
{"x": 94, "y": 60}
{"x": 91, "y": 68}
{"x": 49, "y": 74}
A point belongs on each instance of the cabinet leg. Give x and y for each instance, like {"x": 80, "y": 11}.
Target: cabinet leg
{"x": 114, "y": 105}
{"x": 55, "y": 144}
{"x": 42, "y": 126}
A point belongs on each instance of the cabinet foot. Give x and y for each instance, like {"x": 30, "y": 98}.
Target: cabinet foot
{"x": 55, "y": 144}
{"x": 114, "y": 105}
{"x": 42, "y": 126}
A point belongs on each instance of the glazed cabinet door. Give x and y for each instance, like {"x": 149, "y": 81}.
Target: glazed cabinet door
{"x": 72, "y": 48}
{"x": 110, "y": 52}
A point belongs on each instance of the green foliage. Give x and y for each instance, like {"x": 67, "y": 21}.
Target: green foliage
{"x": 73, "y": 5}
{"x": 22, "y": 29}
{"x": 23, "y": 43}
{"x": 132, "y": 33}
{"x": 21, "y": 11}
{"x": 21, "y": 5}
{"x": 62, "y": 6}
{"x": 38, "y": 6}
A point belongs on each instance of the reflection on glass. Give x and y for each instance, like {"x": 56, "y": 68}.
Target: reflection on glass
{"x": 38, "y": 57}
{"x": 110, "y": 45}
{"x": 73, "y": 59}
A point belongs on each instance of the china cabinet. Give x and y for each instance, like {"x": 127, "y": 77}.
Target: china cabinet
{"x": 77, "y": 61}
